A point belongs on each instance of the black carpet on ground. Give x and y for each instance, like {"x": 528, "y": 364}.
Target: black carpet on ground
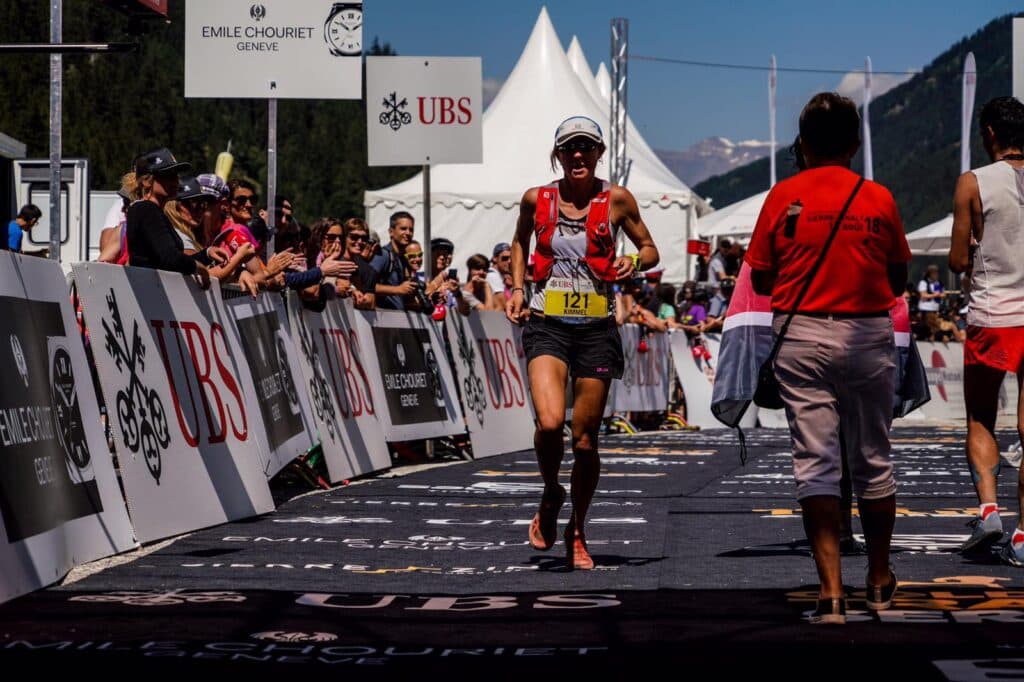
{"x": 702, "y": 563}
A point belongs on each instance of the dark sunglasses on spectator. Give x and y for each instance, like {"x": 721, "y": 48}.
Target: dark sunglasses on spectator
{"x": 243, "y": 200}
{"x": 197, "y": 203}
{"x": 504, "y": 258}
{"x": 585, "y": 146}
{"x": 356, "y": 238}
{"x": 332, "y": 237}
{"x": 414, "y": 255}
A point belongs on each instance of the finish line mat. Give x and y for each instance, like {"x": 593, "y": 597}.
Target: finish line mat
{"x": 701, "y": 563}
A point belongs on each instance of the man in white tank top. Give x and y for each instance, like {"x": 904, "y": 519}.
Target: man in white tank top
{"x": 988, "y": 239}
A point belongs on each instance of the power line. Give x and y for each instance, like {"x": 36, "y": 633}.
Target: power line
{"x": 752, "y": 67}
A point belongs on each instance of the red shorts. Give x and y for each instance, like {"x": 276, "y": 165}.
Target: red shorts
{"x": 995, "y": 347}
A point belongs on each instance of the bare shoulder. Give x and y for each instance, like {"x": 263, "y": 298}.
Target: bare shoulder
{"x": 967, "y": 183}
{"x": 621, "y": 197}
{"x": 529, "y": 197}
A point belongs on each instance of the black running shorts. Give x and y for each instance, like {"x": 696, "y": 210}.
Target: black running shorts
{"x": 591, "y": 350}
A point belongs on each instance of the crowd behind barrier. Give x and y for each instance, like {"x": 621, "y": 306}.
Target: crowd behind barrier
{"x": 209, "y": 394}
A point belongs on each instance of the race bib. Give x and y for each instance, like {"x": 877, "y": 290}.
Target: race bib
{"x": 564, "y": 297}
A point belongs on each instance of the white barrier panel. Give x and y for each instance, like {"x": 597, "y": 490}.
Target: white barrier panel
{"x": 261, "y": 330}
{"x": 332, "y": 355}
{"x": 410, "y": 376}
{"x": 60, "y": 504}
{"x": 697, "y": 377}
{"x": 192, "y": 454}
{"x": 492, "y": 384}
{"x": 944, "y": 365}
{"x": 644, "y": 383}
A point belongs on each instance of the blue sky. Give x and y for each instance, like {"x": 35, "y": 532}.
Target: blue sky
{"x": 675, "y": 106}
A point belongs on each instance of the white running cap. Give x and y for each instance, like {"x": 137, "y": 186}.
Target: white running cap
{"x": 578, "y": 126}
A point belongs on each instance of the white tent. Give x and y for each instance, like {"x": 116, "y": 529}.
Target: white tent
{"x": 476, "y": 205}
{"x": 735, "y": 220}
{"x": 932, "y": 240}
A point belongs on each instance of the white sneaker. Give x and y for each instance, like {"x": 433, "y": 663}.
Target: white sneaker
{"x": 986, "y": 532}
{"x": 1014, "y": 454}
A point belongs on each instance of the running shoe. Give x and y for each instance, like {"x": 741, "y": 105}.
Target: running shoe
{"x": 1011, "y": 557}
{"x": 829, "y": 612}
{"x": 879, "y": 597}
{"x": 987, "y": 532}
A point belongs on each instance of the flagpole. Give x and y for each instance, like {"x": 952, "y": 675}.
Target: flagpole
{"x": 869, "y": 163}
{"x": 772, "y": 82}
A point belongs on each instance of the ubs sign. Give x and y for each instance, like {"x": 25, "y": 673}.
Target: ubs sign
{"x": 423, "y": 110}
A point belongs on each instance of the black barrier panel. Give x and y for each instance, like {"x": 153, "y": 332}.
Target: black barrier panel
{"x": 267, "y": 357}
{"x": 46, "y": 476}
{"x": 412, "y": 379}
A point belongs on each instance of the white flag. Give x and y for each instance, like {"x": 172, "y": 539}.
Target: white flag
{"x": 869, "y": 164}
{"x": 772, "y": 80}
{"x": 970, "y": 81}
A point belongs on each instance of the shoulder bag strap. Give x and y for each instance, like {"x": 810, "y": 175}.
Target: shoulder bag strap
{"x": 814, "y": 270}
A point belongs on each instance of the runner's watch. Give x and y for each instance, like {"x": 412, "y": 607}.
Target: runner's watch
{"x": 343, "y": 30}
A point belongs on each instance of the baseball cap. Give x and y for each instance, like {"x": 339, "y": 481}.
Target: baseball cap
{"x": 159, "y": 161}
{"x": 441, "y": 243}
{"x": 501, "y": 248}
{"x": 214, "y": 183}
{"x": 578, "y": 126}
{"x": 191, "y": 188}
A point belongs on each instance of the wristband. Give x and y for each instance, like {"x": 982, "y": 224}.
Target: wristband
{"x": 636, "y": 261}
{"x": 515, "y": 289}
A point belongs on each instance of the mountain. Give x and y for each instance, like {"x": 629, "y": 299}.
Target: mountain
{"x": 915, "y": 132}
{"x": 712, "y": 156}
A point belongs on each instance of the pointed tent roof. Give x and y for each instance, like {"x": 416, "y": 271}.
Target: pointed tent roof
{"x": 518, "y": 129}
{"x": 604, "y": 81}
{"x": 636, "y": 145}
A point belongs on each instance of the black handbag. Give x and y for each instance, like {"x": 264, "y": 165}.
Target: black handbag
{"x": 767, "y": 394}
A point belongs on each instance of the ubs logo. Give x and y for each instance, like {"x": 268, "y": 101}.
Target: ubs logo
{"x": 19, "y": 359}
{"x": 258, "y": 12}
{"x": 394, "y": 115}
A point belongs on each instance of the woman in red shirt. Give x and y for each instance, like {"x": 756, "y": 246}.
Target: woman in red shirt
{"x": 836, "y": 363}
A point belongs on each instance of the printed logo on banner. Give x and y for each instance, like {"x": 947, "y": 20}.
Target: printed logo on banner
{"x": 19, "y": 358}
{"x": 940, "y": 364}
{"x": 319, "y": 390}
{"x": 394, "y": 115}
{"x": 70, "y": 430}
{"x": 46, "y": 477}
{"x": 472, "y": 385}
{"x": 140, "y": 412}
{"x": 271, "y": 374}
{"x": 258, "y": 12}
{"x": 282, "y": 636}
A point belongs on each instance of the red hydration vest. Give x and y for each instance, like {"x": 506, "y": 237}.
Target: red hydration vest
{"x": 600, "y": 255}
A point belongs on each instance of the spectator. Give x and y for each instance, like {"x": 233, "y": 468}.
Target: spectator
{"x": 396, "y": 289}
{"x": 113, "y": 236}
{"x": 26, "y": 219}
{"x": 930, "y": 293}
{"x": 361, "y": 284}
{"x": 186, "y": 215}
{"x": 478, "y": 290}
{"x": 414, "y": 260}
{"x": 152, "y": 241}
{"x": 717, "y": 270}
{"x": 499, "y": 276}
{"x": 443, "y": 285}
{"x": 692, "y": 312}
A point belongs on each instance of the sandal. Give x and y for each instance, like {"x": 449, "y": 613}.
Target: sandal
{"x": 576, "y": 554}
{"x": 544, "y": 527}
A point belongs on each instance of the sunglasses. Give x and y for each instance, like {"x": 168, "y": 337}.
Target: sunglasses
{"x": 585, "y": 146}
{"x": 356, "y": 238}
{"x": 504, "y": 258}
{"x": 197, "y": 203}
{"x": 330, "y": 237}
{"x": 243, "y": 200}
{"x": 414, "y": 255}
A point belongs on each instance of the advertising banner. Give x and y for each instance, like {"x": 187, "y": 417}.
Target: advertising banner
{"x": 332, "y": 357}
{"x": 191, "y": 452}
{"x": 644, "y": 384}
{"x": 261, "y": 330}
{"x": 424, "y": 110}
{"x": 60, "y": 504}
{"x": 944, "y": 365}
{"x": 279, "y": 49}
{"x": 696, "y": 373}
{"x": 491, "y": 382}
{"x": 411, "y": 379}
